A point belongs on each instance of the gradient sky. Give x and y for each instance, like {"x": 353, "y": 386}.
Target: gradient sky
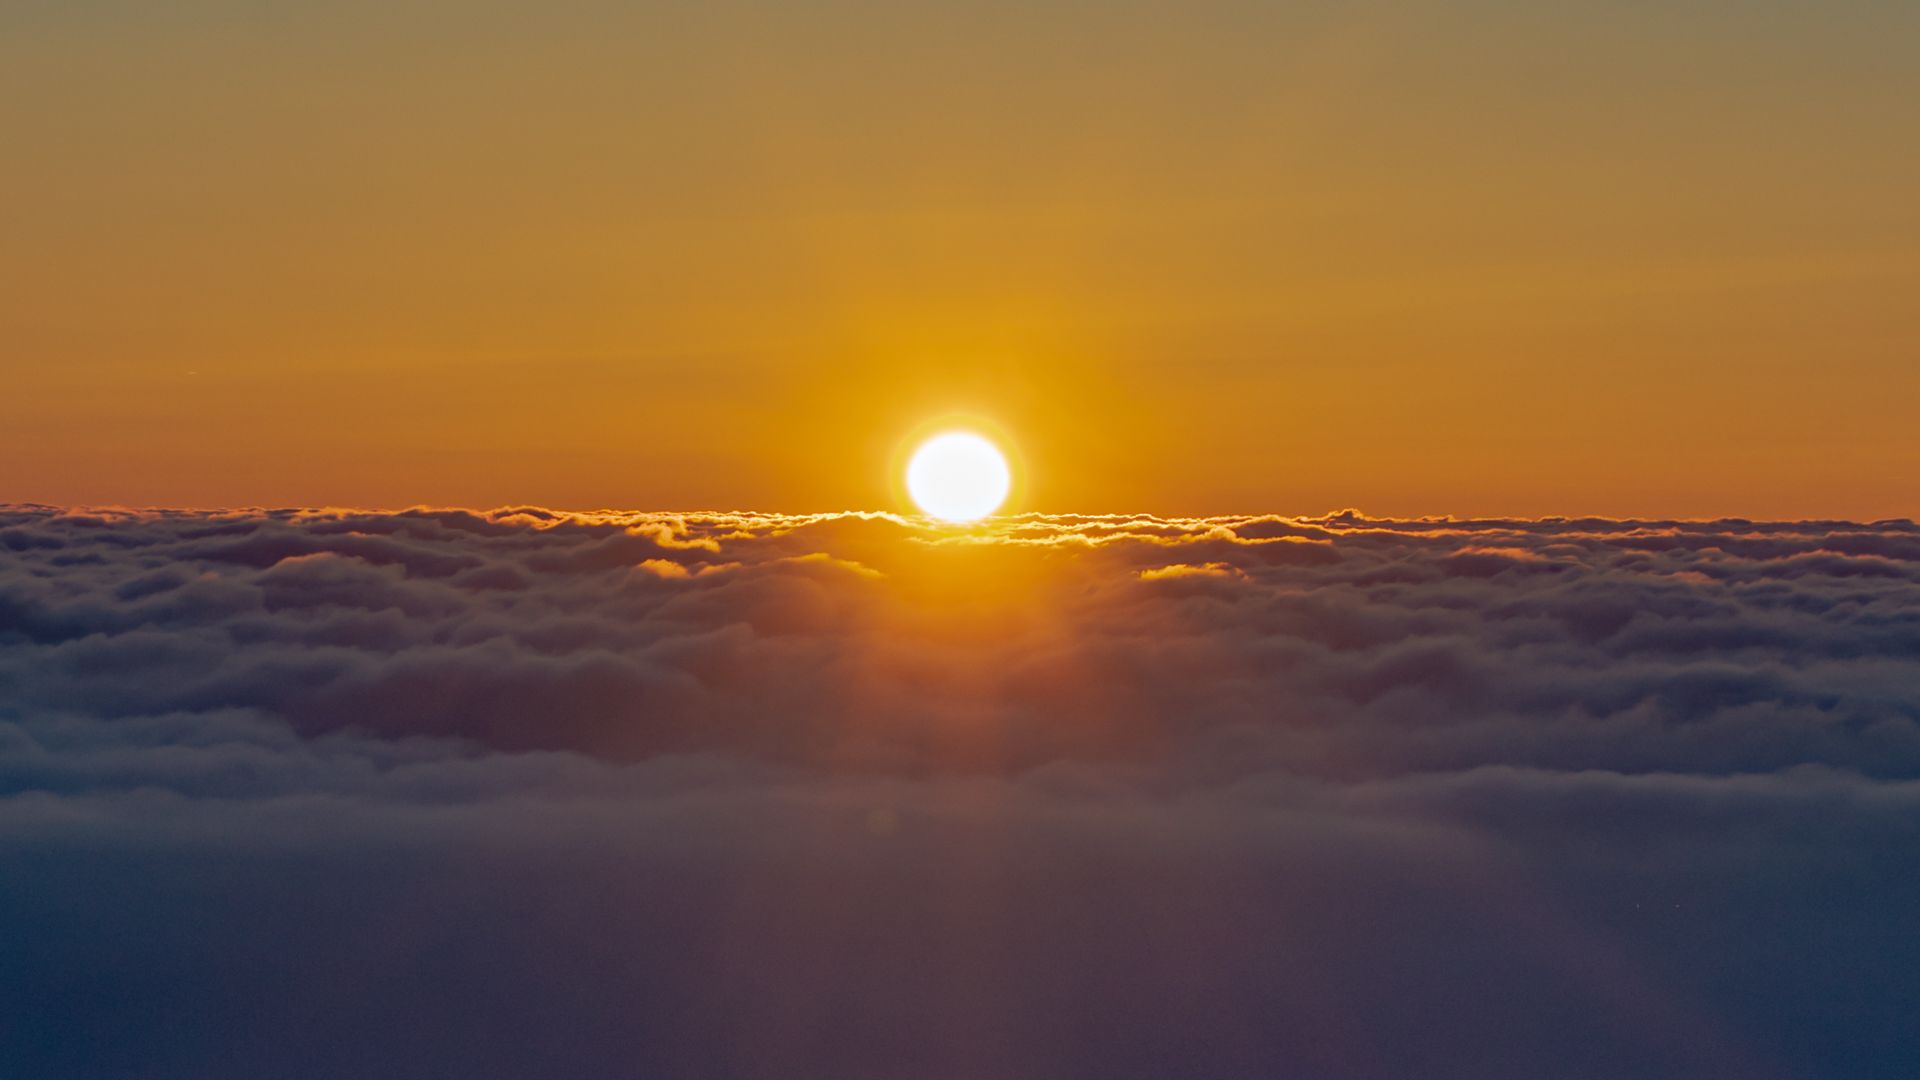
{"x": 1483, "y": 257}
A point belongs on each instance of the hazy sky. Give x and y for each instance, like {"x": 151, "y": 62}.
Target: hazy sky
{"x": 1481, "y": 257}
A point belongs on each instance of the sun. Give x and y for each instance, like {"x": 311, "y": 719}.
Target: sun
{"x": 958, "y": 476}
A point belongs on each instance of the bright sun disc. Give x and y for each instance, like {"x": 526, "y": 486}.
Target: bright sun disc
{"x": 958, "y": 476}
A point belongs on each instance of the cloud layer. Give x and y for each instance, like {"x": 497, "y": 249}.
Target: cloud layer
{"x": 321, "y": 793}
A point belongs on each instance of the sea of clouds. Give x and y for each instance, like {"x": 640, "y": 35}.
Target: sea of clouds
{"x": 321, "y": 793}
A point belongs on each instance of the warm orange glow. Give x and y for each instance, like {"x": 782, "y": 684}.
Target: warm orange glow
{"x": 1298, "y": 259}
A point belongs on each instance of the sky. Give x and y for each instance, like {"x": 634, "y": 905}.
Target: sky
{"x": 1488, "y": 258}
{"x": 464, "y": 610}
{"x": 313, "y": 794}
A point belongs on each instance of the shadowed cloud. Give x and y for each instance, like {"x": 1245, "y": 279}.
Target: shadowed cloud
{"x": 524, "y": 792}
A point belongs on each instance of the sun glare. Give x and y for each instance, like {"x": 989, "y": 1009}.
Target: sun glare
{"x": 958, "y": 476}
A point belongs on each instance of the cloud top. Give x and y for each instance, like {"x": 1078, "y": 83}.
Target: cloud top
{"x": 851, "y": 794}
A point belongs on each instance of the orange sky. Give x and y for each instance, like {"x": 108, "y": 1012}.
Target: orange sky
{"x": 1417, "y": 258}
